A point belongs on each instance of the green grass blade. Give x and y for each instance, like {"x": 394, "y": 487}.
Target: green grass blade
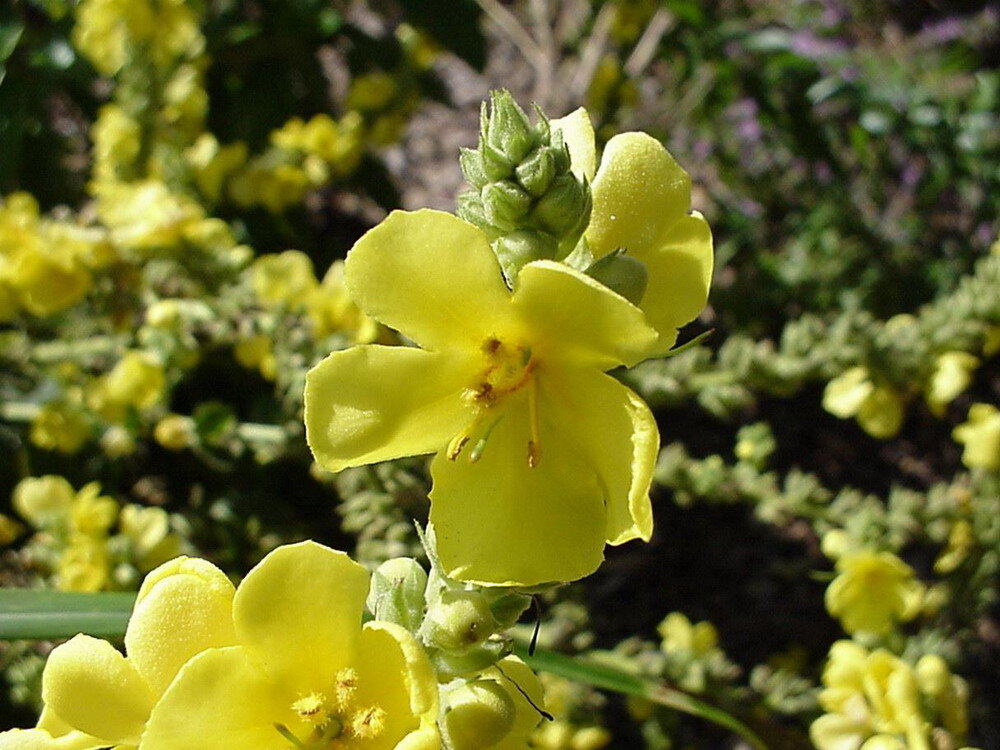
{"x": 37, "y": 614}
{"x": 607, "y": 677}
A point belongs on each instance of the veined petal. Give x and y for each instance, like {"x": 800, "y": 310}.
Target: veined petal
{"x": 680, "y": 273}
{"x": 183, "y": 608}
{"x": 373, "y": 403}
{"x": 91, "y": 687}
{"x": 639, "y": 191}
{"x": 578, "y": 135}
{"x": 298, "y": 612}
{"x": 220, "y": 699}
{"x": 395, "y": 675}
{"x": 574, "y": 318}
{"x": 614, "y": 431}
{"x": 500, "y": 522}
{"x": 431, "y": 276}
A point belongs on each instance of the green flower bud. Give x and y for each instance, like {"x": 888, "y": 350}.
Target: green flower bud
{"x": 537, "y": 171}
{"x": 565, "y": 208}
{"x": 478, "y": 714}
{"x": 507, "y": 609}
{"x": 458, "y": 621}
{"x": 473, "y": 167}
{"x": 560, "y": 152}
{"x": 508, "y": 130}
{"x": 397, "y": 592}
{"x": 519, "y": 248}
{"x": 448, "y": 665}
{"x": 505, "y": 204}
{"x": 622, "y": 274}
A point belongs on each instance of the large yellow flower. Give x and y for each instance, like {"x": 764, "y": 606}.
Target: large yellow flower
{"x": 304, "y": 672}
{"x": 642, "y": 205}
{"x": 541, "y": 457}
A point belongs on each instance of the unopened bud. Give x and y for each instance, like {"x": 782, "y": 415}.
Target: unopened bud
{"x": 458, "y": 621}
{"x": 508, "y": 129}
{"x": 505, "y": 204}
{"x": 470, "y": 208}
{"x": 519, "y": 248}
{"x": 473, "y": 167}
{"x": 397, "y": 592}
{"x": 622, "y": 274}
{"x": 537, "y": 171}
{"x": 448, "y": 665}
{"x": 508, "y": 608}
{"x": 479, "y": 714}
{"x": 565, "y": 207}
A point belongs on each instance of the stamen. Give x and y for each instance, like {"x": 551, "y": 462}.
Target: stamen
{"x": 368, "y": 723}
{"x": 535, "y": 442}
{"x": 345, "y": 686}
{"x": 477, "y": 450}
{"x": 459, "y": 441}
{"x": 309, "y": 705}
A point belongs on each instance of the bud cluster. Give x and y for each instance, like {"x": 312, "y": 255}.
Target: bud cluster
{"x": 524, "y": 197}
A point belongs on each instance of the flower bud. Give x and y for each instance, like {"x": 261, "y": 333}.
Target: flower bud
{"x": 507, "y": 129}
{"x": 479, "y": 714}
{"x": 622, "y": 274}
{"x": 448, "y": 665}
{"x": 507, "y": 609}
{"x": 397, "y": 592}
{"x": 473, "y": 167}
{"x": 470, "y": 208}
{"x": 565, "y": 207}
{"x": 458, "y": 621}
{"x": 505, "y": 204}
{"x": 174, "y": 432}
{"x": 519, "y": 248}
{"x": 537, "y": 171}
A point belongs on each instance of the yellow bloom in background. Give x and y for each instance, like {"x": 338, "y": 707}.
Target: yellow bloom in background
{"x": 95, "y": 697}
{"x": 642, "y": 203}
{"x": 214, "y": 164}
{"x": 680, "y": 635}
{"x": 952, "y": 375}
{"x": 148, "y": 531}
{"x": 872, "y": 591}
{"x": 541, "y": 457}
{"x": 60, "y": 427}
{"x": 877, "y": 409}
{"x": 303, "y": 667}
{"x": 137, "y": 380}
{"x": 257, "y": 353}
{"x": 284, "y": 279}
{"x": 980, "y": 434}
{"x": 145, "y": 215}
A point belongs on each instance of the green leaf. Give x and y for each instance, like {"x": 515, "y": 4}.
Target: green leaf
{"x": 35, "y": 614}
{"x": 589, "y": 671}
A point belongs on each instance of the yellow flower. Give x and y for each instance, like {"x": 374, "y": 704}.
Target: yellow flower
{"x": 214, "y": 164}
{"x": 148, "y": 531}
{"x": 84, "y": 565}
{"x": 980, "y": 434}
{"x": 256, "y": 353}
{"x": 44, "y": 502}
{"x": 952, "y": 375}
{"x": 872, "y": 590}
{"x": 61, "y": 427}
{"x": 642, "y": 203}
{"x": 95, "y": 697}
{"x": 541, "y": 457}
{"x": 284, "y": 279}
{"x": 145, "y": 215}
{"x": 877, "y": 409}
{"x": 303, "y": 672}
{"x": 680, "y": 635}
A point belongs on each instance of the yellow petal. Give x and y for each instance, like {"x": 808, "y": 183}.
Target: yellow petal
{"x": 500, "y": 522}
{"x": 183, "y": 607}
{"x": 220, "y": 699}
{"x": 395, "y": 675}
{"x": 680, "y": 273}
{"x": 91, "y": 687}
{"x": 616, "y": 434}
{"x": 373, "y": 403}
{"x": 639, "y": 191}
{"x": 299, "y": 613}
{"x": 431, "y": 276}
{"x": 572, "y": 317}
{"x": 39, "y": 739}
{"x": 578, "y": 134}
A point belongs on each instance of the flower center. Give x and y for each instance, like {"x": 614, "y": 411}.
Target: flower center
{"x": 508, "y": 368}
{"x": 336, "y": 718}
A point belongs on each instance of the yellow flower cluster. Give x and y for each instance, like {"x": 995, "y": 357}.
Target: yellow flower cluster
{"x": 111, "y": 32}
{"x": 563, "y": 733}
{"x": 45, "y": 265}
{"x": 876, "y": 701}
{"x": 74, "y": 539}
